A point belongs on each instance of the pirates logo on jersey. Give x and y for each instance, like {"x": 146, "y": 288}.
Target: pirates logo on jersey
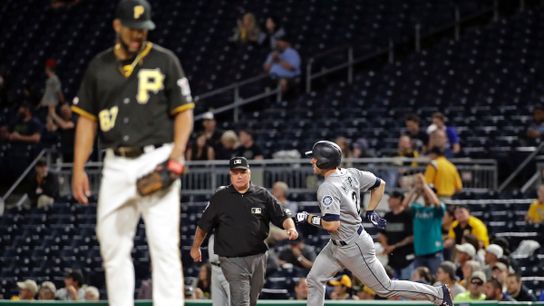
{"x": 149, "y": 80}
{"x": 327, "y": 200}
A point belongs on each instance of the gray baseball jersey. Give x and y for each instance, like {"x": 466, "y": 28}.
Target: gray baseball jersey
{"x": 340, "y": 199}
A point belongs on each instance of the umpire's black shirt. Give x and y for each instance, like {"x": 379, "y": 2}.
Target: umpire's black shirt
{"x": 241, "y": 221}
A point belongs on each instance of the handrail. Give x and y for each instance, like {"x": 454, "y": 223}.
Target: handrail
{"x": 350, "y": 62}
{"x": 19, "y": 180}
{"x": 231, "y": 86}
{"x": 520, "y": 167}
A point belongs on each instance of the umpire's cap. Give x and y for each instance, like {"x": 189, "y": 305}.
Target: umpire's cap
{"x": 327, "y": 153}
{"x": 135, "y": 14}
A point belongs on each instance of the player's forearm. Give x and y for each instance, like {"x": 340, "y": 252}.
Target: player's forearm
{"x": 83, "y": 146}
{"x": 183, "y": 125}
{"x": 288, "y": 224}
{"x": 200, "y": 234}
{"x": 376, "y": 196}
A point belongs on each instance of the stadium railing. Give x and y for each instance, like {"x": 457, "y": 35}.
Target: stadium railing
{"x": 271, "y": 303}
{"x": 204, "y": 177}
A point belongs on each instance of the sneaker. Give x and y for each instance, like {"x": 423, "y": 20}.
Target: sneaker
{"x": 447, "y": 300}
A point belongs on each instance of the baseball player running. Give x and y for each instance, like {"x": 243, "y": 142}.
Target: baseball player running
{"x": 138, "y": 98}
{"x": 351, "y": 247}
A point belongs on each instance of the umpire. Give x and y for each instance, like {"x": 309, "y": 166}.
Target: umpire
{"x": 240, "y": 215}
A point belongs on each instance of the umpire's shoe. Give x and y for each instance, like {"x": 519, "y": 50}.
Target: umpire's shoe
{"x": 447, "y": 301}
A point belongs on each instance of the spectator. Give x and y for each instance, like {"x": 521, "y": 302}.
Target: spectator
{"x": 427, "y": 224}
{"x": 361, "y": 148}
{"x": 365, "y": 293}
{"x": 301, "y": 289}
{"x": 65, "y": 126}
{"x": 492, "y": 255}
{"x": 343, "y": 143}
{"x": 535, "y": 214}
{"x": 47, "y": 291}
{"x": 26, "y": 129}
{"x": 280, "y": 190}
{"x": 536, "y": 129}
{"x": 91, "y": 294}
{"x": 200, "y": 149}
{"x": 204, "y": 280}
{"x": 397, "y": 239}
{"x": 145, "y": 292}
{"x": 422, "y": 275}
{"x": 209, "y": 128}
{"x": 27, "y": 290}
{"x": 467, "y": 269}
{"x": 500, "y": 272}
{"x": 445, "y": 274}
{"x": 438, "y": 139}
{"x": 342, "y": 288}
{"x": 405, "y": 148}
{"x": 72, "y": 291}
{"x": 283, "y": 64}
{"x": 439, "y": 121}
{"x": 466, "y": 224}
{"x": 475, "y": 290}
{"x": 190, "y": 293}
{"x": 443, "y": 175}
{"x": 413, "y": 129}
{"x": 52, "y": 95}
{"x": 493, "y": 291}
{"x": 44, "y": 186}
{"x": 227, "y": 147}
{"x": 447, "y": 221}
{"x": 247, "y": 30}
{"x": 298, "y": 254}
{"x": 248, "y": 148}
{"x": 274, "y": 31}
{"x": 516, "y": 289}
{"x": 465, "y": 252}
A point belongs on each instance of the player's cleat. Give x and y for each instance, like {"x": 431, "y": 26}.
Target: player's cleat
{"x": 447, "y": 301}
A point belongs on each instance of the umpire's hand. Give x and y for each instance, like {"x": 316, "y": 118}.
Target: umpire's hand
{"x": 196, "y": 254}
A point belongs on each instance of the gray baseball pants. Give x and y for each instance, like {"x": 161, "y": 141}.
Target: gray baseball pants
{"x": 246, "y": 278}
{"x": 359, "y": 256}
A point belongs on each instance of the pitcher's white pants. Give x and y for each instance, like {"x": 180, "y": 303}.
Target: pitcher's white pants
{"x": 119, "y": 209}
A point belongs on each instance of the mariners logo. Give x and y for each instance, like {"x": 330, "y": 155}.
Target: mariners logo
{"x": 327, "y": 200}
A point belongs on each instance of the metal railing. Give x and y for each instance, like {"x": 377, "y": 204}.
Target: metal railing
{"x": 417, "y": 38}
{"x": 520, "y": 168}
{"x": 204, "y": 177}
{"x": 4, "y": 199}
{"x": 238, "y": 100}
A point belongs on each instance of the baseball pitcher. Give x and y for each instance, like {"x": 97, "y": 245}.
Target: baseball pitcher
{"x": 138, "y": 99}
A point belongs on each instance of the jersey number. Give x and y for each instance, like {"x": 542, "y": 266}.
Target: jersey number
{"x": 354, "y": 197}
{"x": 107, "y": 118}
{"x": 149, "y": 80}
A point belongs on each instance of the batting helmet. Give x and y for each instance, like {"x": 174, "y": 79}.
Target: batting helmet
{"x": 327, "y": 153}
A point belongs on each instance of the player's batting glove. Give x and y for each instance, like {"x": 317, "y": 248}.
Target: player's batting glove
{"x": 161, "y": 178}
{"x": 375, "y": 219}
{"x": 301, "y": 217}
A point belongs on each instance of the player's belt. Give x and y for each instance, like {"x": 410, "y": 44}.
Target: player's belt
{"x": 342, "y": 243}
{"x": 133, "y": 152}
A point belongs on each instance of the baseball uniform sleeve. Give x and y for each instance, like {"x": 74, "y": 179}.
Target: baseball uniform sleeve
{"x": 276, "y": 213}
{"x": 207, "y": 221}
{"x": 367, "y": 180}
{"x": 85, "y": 102}
{"x": 329, "y": 202}
{"x": 177, "y": 89}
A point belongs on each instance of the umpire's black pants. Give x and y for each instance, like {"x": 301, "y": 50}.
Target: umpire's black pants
{"x": 246, "y": 278}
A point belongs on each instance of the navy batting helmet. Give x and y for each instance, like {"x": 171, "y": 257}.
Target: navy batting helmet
{"x": 327, "y": 153}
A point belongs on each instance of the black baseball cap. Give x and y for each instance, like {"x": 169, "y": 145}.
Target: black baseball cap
{"x": 238, "y": 162}
{"x": 135, "y": 14}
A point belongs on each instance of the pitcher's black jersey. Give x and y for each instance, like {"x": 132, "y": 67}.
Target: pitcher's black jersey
{"x": 134, "y": 104}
